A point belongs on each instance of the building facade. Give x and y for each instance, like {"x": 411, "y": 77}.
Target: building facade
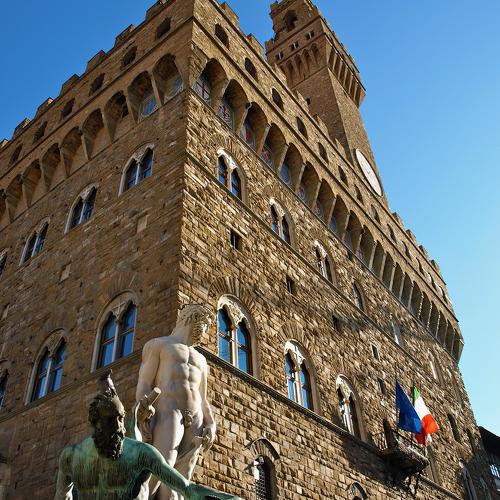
{"x": 187, "y": 164}
{"x": 491, "y": 443}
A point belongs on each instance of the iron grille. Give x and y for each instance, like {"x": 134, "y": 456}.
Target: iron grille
{"x": 263, "y": 482}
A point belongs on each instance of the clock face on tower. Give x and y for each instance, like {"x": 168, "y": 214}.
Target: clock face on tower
{"x": 370, "y": 174}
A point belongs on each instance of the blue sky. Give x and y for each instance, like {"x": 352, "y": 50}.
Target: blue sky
{"x": 432, "y": 74}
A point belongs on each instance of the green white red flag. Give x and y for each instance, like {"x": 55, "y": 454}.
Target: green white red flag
{"x": 429, "y": 425}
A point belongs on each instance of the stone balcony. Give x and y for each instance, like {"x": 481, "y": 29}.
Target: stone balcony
{"x": 404, "y": 457}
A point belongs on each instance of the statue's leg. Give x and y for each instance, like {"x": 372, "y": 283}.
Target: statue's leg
{"x": 167, "y": 436}
{"x": 190, "y": 448}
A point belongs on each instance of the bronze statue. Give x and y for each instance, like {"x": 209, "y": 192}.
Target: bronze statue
{"x": 110, "y": 465}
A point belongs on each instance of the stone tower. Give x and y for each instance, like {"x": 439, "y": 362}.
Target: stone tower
{"x": 317, "y": 65}
{"x": 183, "y": 166}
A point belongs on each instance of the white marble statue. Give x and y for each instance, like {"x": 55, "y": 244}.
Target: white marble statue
{"x": 181, "y": 424}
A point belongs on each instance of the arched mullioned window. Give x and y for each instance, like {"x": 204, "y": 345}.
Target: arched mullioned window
{"x": 358, "y": 297}
{"x": 350, "y": 415}
{"x": 323, "y": 262}
{"x": 83, "y": 208}
{"x": 139, "y": 167}
{"x": 117, "y": 336}
{"x": 299, "y": 377}
{"x": 35, "y": 243}
{"x": 236, "y": 340}
{"x": 3, "y": 388}
{"x": 280, "y": 223}
{"x": 48, "y": 372}
{"x": 230, "y": 174}
{"x": 116, "y": 330}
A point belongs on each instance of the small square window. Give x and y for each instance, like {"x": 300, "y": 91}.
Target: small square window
{"x": 294, "y": 46}
{"x": 236, "y": 240}
{"x": 279, "y": 56}
{"x": 375, "y": 352}
{"x": 335, "y": 323}
{"x": 290, "y": 286}
{"x": 381, "y": 385}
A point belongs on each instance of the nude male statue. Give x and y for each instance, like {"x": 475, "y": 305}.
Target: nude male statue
{"x": 110, "y": 466}
{"x": 182, "y": 424}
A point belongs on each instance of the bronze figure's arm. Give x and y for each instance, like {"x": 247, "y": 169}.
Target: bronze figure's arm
{"x": 176, "y": 481}
{"x": 64, "y": 488}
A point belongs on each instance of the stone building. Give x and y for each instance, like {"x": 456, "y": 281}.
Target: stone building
{"x": 491, "y": 443}
{"x": 188, "y": 164}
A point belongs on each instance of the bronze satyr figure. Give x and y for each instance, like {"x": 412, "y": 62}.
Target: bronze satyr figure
{"x": 110, "y": 466}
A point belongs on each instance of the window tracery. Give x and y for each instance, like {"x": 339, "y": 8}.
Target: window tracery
{"x": 47, "y": 375}
{"x": 280, "y": 223}
{"x": 298, "y": 376}
{"x": 139, "y": 167}
{"x": 116, "y": 330}
{"x": 83, "y": 208}
{"x": 230, "y": 175}
{"x": 349, "y": 408}
{"x": 35, "y": 243}
{"x": 236, "y": 342}
{"x": 323, "y": 262}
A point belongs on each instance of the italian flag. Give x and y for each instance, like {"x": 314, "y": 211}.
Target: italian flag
{"x": 429, "y": 425}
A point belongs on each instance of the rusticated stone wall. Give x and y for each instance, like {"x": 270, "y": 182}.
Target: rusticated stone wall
{"x": 166, "y": 241}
